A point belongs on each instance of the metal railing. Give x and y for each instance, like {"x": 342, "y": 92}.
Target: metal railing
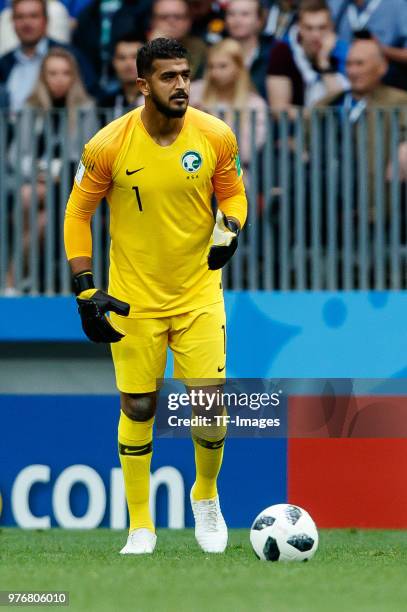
{"x": 327, "y": 201}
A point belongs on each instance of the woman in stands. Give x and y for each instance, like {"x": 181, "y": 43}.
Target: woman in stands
{"x": 58, "y": 118}
{"x": 226, "y": 90}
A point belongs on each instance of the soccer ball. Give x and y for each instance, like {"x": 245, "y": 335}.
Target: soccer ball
{"x": 284, "y": 533}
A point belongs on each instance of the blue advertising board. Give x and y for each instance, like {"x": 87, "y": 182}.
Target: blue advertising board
{"x": 59, "y": 466}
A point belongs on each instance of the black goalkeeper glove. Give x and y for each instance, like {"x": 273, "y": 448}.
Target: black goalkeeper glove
{"x": 93, "y": 304}
{"x": 224, "y": 245}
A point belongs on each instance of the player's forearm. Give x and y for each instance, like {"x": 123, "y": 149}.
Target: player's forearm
{"x": 77, "y": 228}
{"x": 235, "y": 208}
{"x": 77, "y": 237}
{"x": 80, "y": 264}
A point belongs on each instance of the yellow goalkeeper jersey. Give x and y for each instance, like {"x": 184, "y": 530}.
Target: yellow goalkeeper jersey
{"x": 161, "y": 217}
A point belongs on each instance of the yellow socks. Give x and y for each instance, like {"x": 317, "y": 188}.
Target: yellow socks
{"x": 135, "y": 451}
{"x": 208, "y": 443}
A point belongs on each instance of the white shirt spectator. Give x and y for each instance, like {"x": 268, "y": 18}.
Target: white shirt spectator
{"x": 59, "y": 27}
{"x": 24, "y": 75}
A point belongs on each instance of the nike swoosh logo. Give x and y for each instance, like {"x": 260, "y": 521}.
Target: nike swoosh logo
{"x": 130, "y": 172}
{"x": 221, "y": 369}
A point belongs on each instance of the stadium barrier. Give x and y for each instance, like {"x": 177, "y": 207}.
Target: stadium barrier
{"x": 327, "y": 195}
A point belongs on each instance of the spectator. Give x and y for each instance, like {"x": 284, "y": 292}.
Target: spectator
{"x": 103, "y": 22}
{"x": 312, "y": 63}
{"x": 366, "y": 67}
{"x": 385, "y": 20}
{"x": 58, "y": 27}
{"x": 282, "y": 15}
{"x": 127, "y": 94}
{"x": 43, "y": 143}
{"x": 225, "y": 88}
{"x": 208, "y": 20}
{"x": 172, "y": 19}
{"x": 19, "y": 68}
{"x": 244, "y": 23}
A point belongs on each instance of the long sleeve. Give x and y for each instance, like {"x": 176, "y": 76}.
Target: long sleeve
{"x": 92, "y": 182}
{"x": 228, "y": 182}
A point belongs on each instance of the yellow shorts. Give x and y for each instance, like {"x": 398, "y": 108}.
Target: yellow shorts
{"x": 197, "y": 340}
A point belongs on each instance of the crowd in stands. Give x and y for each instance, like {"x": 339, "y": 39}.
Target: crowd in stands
{"x": 266, "y": 56}
{"x": 295, "y": 50}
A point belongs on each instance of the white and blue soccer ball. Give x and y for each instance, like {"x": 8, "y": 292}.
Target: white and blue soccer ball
{"x": 284, "y": 532}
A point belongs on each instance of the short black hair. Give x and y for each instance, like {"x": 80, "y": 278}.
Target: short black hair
{"x": 159, "y": 48}
{"x": 130, "y": 37}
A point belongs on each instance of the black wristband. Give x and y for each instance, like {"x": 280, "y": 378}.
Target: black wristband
{"x": 233, "y": 226}
{"x": 83, "y": 281}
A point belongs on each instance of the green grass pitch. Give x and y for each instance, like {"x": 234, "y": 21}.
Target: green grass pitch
{"x": 352, "y": 570}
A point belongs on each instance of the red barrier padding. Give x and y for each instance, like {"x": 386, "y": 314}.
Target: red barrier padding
{"x": 350, "y": 482}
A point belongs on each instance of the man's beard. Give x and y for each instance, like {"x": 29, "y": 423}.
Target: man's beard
{"x": 170, "y": 113}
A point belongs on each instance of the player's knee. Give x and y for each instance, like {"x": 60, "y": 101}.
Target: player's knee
{"x": 138, "y": 406}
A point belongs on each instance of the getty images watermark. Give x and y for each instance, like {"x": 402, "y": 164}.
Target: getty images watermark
{"x": 207, "y": 401}
{"x": 246, "y": 407}
{"x": 285, "y": 408}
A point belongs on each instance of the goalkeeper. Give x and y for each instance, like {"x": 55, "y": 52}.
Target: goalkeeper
{"x": 158, "y": 166}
